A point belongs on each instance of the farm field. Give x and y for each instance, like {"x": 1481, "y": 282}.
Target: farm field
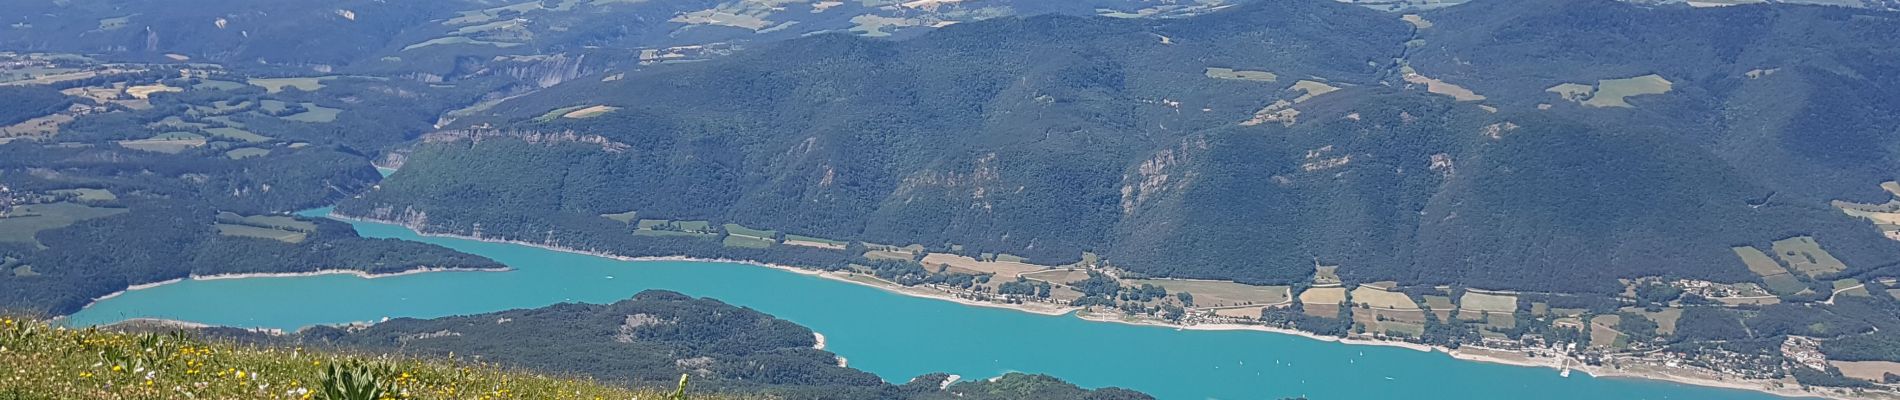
{"x": 812, "y": 241}
{"x": 246, "y": 152}
{"x": 275, "y": 85}
{"x": 315, "y": 114}
{"x": 1603, "y": 331}
{"x": 1064, "y": 276}
{"x": 23, "y": 222}
{"x": 169, "y": 143}
{"x": 1807, "y": 257}
{"x": 625, "y": 217}
{"x": 1376, "y": 298}
{"x": 1488, "y": 302}
{"x": 90, "y": 194}
{"x": 1776, "y": 278}
{"x": 238, "y": 134}
{"x": 261, "y": 233}
{"x": 757, "y": 234}
{"x": 1000, "y": 268}
{"x": 1614, "y": 92}
{"x": 1242, "y": 75}
{"x": 1665, "y": 319}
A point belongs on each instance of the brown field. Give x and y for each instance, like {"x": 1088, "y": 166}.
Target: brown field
{"x": 1221, "y": 293}
{"x": 1412, "y": 316}
{"x": 590, "y": 112}
{"x": 1495, "y": 303}
{"x": 1240, "y": 312}
{"x": 1436, "y": 86}
{"x": 1612, "y": 92}
{"x": 1325, "y": 296}
{"x": 1382, "y": 299}
{"x": 146, "y": 91}
{"x": 1807, "y": 256}
{"x": 1061, "y": 276}
{"x": 1321, "y": 310}
{"x": 1603, "y": 331}
{"x": 887, "y": 255}
{"x": 1416, "y": 21}
{"x": 1000, "y": 268}
{"x": 1875, "y": 371}
{"x": 1440, "y": 305}
{"x": 1572, "y": 91}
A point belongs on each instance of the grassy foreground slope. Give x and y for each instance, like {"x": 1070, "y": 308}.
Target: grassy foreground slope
{"x": 44, "y": 362}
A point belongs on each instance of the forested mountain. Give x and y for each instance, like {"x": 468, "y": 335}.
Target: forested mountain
{"x": 454, "y": 38}
{"x": 653, "y": 338}
{"x": 1050, "y": 136}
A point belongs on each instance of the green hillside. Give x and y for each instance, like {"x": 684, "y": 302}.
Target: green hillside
{"x": 1050, "y": 136}
{"x": 45, "y": 362}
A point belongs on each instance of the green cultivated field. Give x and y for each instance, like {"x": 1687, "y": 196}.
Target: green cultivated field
{"x": 625, "y": 217}
{"x": 274, "y": 85}
{"x": 261, "y": 233}
{"x": 315, "y": 113}
{"x": 1807, "y": 257}
{"x": 25, "y": 221}
{"x": 90, "y": 194}
{"x": 246, "y": 152}
{"x": 235, "y": 133}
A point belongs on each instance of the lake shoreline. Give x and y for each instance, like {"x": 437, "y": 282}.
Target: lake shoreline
{"x": 1469, "y": 353}
{"x": 321, "y": 272}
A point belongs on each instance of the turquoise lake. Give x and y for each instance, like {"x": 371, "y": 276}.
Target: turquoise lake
{"x": 892, "y": 335}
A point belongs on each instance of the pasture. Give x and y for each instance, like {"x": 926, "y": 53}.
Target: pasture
{"x": 283, "y": 222}
{"x": 169, "y": 143}
{"x": 1613, "y": 92}
{"x": 1875, "y": 371}
{"x": 1007, "y": 269}
{"x": 813, "y": 241}
{"x": 590, "y": 112}
{"x": 1326, "y": 296}
{"x": 1240, "y": 75}
{"x": 1065, "y": 276}
{"x": 261, "y": 233}
{"x": 1488, "y": 302}
{"x": 246, "y": 152}
{"x": 625, "y": 217}
{"x": 1377, "y": 298}
{"x": 1603, "y": 331}
{"x": 84, "y": 194}
{"x": 23, "y": 222}
{"x": 276, "y": 85}
{"x": 315, "y": 114}
{"x": 1806, "y": 256}
{"x": 237, "y": 134}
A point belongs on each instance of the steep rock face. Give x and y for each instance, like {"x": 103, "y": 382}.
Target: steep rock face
{"x": 544, "y": 71}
